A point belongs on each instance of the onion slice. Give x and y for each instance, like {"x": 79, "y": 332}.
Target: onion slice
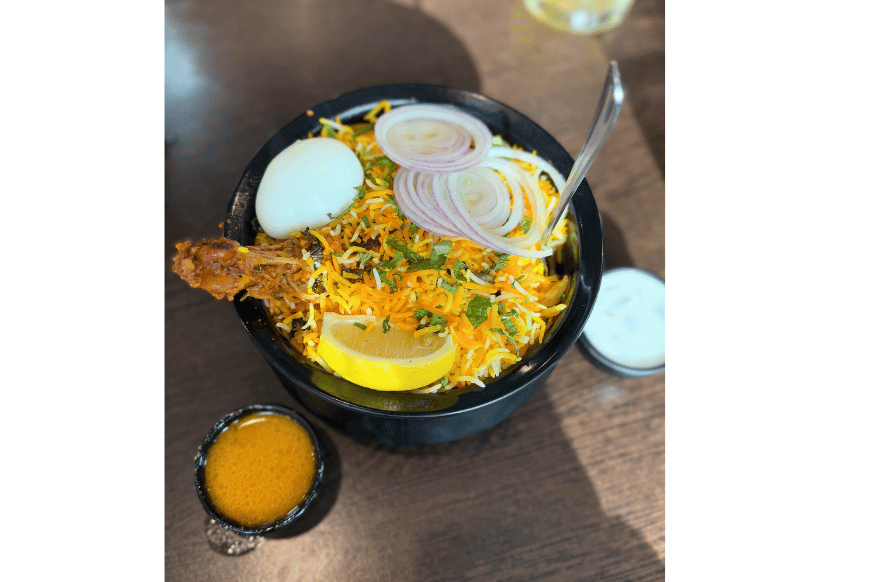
{"x": 506, "y": 152}
{"x": 442, "y": 205}
{"x": 452, "y": 183}
{"x": 432, "y": 139}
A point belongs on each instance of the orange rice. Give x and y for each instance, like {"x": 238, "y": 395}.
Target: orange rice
{"x": 523, "y": 299}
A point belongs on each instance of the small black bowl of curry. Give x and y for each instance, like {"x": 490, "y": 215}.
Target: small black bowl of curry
{"x": 259, "y": 469}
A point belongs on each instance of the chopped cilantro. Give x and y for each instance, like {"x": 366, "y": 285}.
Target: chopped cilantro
{"x": 449, "y": 287}
{"x": 366, "y": 221}
{"x": 499, "y": 262}
{"x": 401, "y": 248}
{"x": 504, "y": 317}
{"x": 525, "y": 224}
{"x": 433, "y": 318}
{"x": 364, "y": 257}
{"x": 444, "y": 381}
{"x": 413, "y": 229}
{"x": 392, "y": 264}
{"x": 364, "y": 129}
{"x": 436, "y": 259}
{"x": 510, "y": 327}
{"x": 399, "y": 212}
{"x": 457, "y": 271}
{"x": 380, "y": 161}
{"x": 385, "y": 327}
{"x": 360, "y": 325}
{"x": 384, "y": 161}
{"x": 383, "y": 276}
{"x": 512, "y": 341}
{"x": 359, "y": 196}
{"x": 477, "y": 310}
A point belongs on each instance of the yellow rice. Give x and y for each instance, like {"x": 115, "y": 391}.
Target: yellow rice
{"x": 518, "y": 291}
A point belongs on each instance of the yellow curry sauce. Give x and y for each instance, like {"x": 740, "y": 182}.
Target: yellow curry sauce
{"x": 259, "y": 468}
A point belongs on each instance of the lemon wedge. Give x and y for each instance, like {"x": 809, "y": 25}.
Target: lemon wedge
{"x": 383, "y": 360}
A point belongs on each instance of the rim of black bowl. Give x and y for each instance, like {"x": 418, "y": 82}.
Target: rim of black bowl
{"x": 218, "y": 428}
{"x": 501, "y": 119}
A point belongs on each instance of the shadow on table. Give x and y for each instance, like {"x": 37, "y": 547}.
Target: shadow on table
{"x": 614, "y": 247}
{"x": 234, "y": 77}
{"x": 512, "y": 511}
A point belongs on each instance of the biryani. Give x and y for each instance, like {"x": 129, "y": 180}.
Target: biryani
{"x": 373, "y": 260}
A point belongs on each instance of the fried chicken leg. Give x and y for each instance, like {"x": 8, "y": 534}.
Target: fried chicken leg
{"x": 224, "y": 268}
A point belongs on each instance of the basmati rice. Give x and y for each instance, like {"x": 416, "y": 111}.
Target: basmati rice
{"x": 358, "y": 272}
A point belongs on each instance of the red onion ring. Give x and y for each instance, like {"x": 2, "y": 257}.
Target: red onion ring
{"x": 432, "y": 139}
{"x": 411, "y": 195}
{"x": 493, "y": 238}
{"x": 484, "y": 195}
{"x": 453, "y": 190}
{"x": 435, "y": 203}
{"x": 505, "y": 152}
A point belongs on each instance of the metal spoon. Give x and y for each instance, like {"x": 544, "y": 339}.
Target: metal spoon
{"x": 607, "y": 111}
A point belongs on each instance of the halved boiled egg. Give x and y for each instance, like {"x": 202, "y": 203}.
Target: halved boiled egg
{"x": 308, "y": 180}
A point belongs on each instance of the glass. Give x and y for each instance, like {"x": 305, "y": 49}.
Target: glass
{"x": 579, "y": 16}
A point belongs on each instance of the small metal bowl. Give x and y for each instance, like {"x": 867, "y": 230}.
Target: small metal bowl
{"x": 203, "y": 454}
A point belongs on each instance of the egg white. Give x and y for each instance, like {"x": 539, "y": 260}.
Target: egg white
{"x": 308, "y": 180}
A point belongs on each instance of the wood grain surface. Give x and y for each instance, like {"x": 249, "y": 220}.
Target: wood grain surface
{"x": 571, "y": 486}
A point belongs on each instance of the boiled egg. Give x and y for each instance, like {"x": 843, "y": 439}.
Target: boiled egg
{"x": 308, "y": 180}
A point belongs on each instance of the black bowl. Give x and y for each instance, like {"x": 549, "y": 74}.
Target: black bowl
{"x": 203, "y": 453}
{"x": 421, "y": 419}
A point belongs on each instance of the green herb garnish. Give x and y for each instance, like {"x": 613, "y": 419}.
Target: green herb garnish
{"x": 477, "y": 310}
{"x": 432, "y": 318}
{"x": 392, "y": 264}
{"x": 401, "y": 248}
{"x": 380, "y": 161}
{"x": 359, "y": 196}
{"x": 436, "y": 259}
{"x": 383, "y": 276}
{"x": 385, "y": 327}
{"x": 399, "y": 212}
{"x": 510, "y": 327}
{"x": 512, "y": 341}
{"x": 364, "y": 129}
{"x": 448, "y": 286}
{"x": 499, "y": 262}
{"x": 360, "y": 325}
{"x": 525, "y": 224}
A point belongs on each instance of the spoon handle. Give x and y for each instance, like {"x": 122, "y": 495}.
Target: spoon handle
{"x": 611, "y": 99}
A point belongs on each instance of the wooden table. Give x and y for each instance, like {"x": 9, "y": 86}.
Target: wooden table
{"x": 570, "y": 487}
